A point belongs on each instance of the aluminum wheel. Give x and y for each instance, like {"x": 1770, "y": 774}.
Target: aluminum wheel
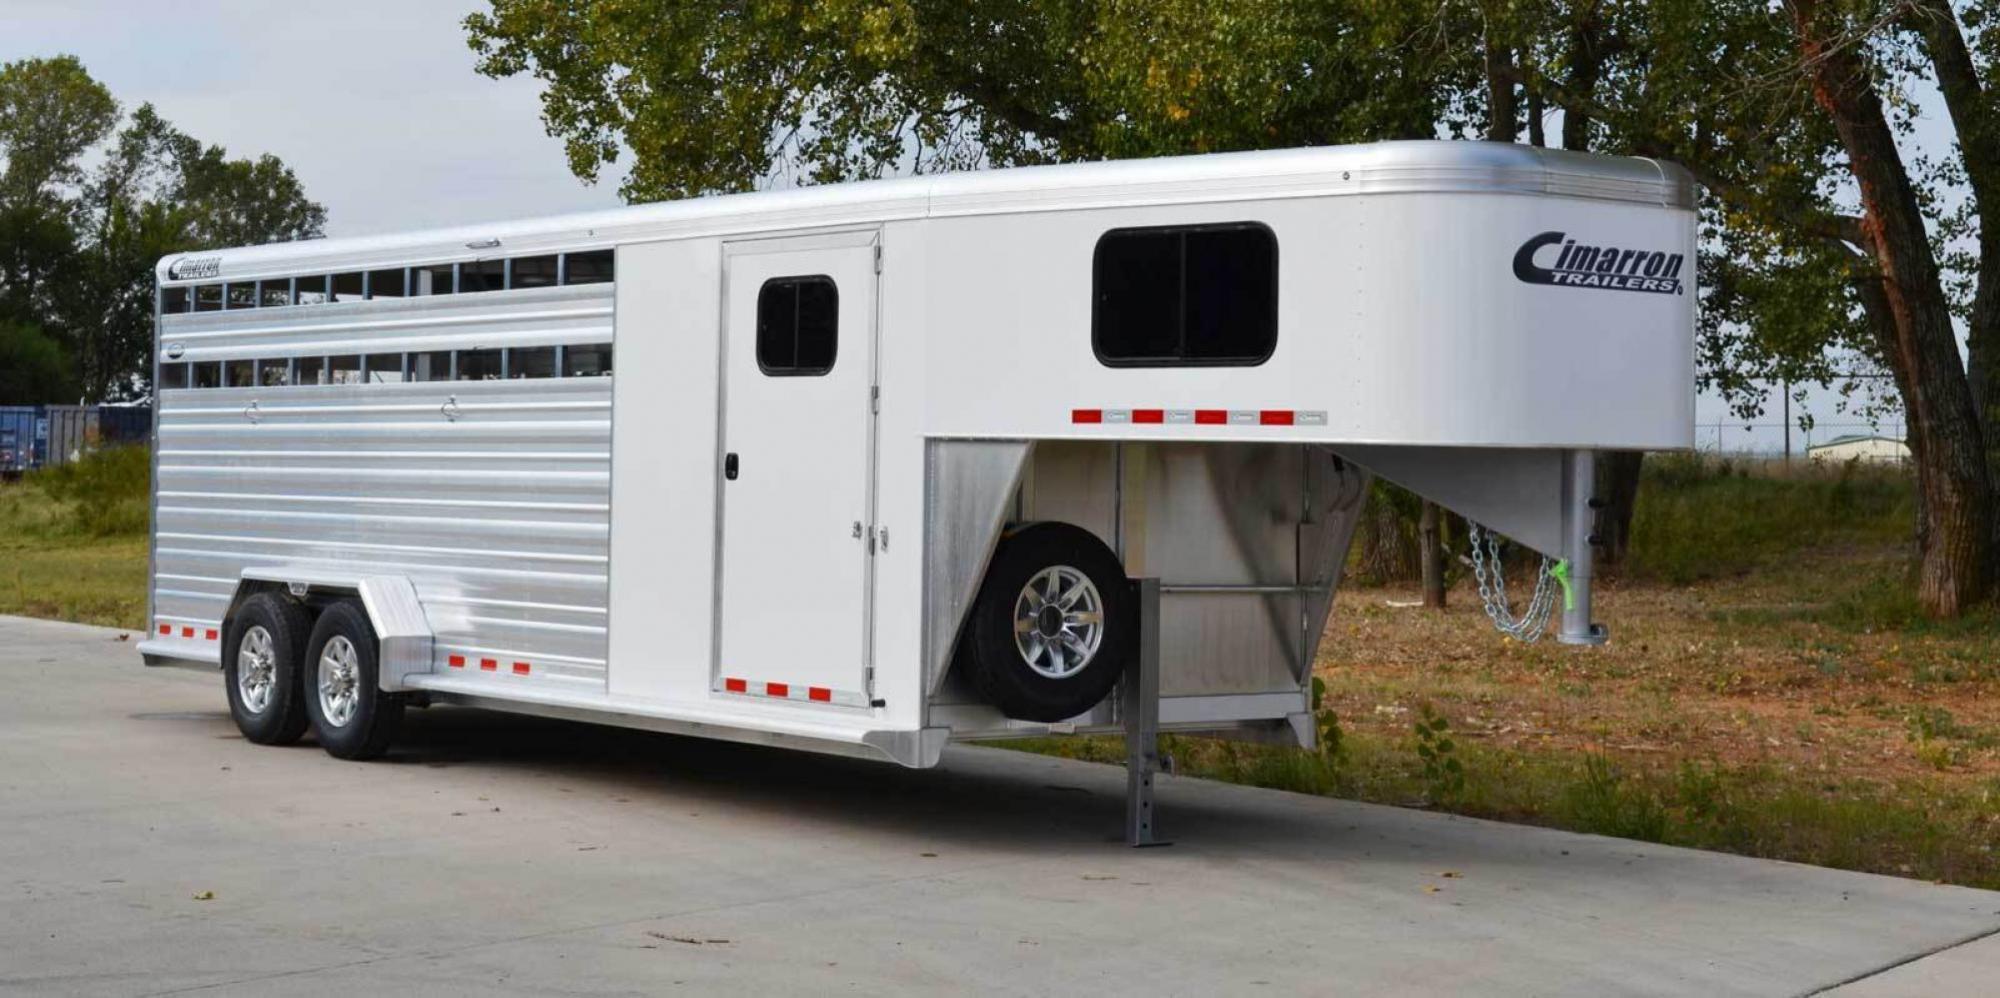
{"x": 1058, "y": 622}
{"x": 339, "y": 681}
{"x": 256, "y": 669}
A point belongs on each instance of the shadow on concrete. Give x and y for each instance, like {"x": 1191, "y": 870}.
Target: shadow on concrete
{"x": 985, "y": 797}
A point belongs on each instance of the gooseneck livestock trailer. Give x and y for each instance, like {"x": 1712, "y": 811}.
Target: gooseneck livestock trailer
{"x": 865, "y": 468}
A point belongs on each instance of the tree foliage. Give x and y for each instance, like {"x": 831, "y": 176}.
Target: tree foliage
{"x": 1825, "y": 251}
{"x": 79, "y": 240}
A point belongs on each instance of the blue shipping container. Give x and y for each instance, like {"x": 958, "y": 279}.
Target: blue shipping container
{"x": 17, "y": 437}
{"x": 124, "y": 424}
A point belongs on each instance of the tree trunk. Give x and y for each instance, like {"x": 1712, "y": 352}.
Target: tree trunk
{"x": 1618, "y": 494}
{"x": 1946, "y": 445}
{"x": 1430, "y": 551}
{"x": 1978, "y": 130}
{"x": 1502, "y": 121}
{"x": 1387, "y": 554}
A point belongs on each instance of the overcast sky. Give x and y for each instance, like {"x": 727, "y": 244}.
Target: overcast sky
{"x": 374, "y": 103}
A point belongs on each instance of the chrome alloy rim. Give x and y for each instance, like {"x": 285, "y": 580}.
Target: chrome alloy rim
{"x": 1058, "y": 622}
{"x": 339, "y": 681}
{"x": 256, "y": 669}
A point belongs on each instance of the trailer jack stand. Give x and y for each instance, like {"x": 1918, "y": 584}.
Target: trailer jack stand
{"x": 1139, "y": 710}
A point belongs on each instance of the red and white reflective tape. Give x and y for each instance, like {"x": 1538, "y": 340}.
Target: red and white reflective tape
{"x": 188, "y": 633}
{"x": 792, "y": 691}
{"x": 1201, "y": 417}
{"x": 488, "y": 665}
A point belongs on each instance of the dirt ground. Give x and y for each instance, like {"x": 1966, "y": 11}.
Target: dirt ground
{"x": 1780, "y": 668}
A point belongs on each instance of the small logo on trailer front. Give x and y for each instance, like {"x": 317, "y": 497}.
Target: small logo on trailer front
{"x": 189, "y": 268}
{"x": 1578, "y": 265}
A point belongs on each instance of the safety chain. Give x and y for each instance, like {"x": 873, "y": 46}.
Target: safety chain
{"x": 1493, "y": 591}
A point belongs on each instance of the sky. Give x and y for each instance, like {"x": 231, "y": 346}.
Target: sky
{"x": 376, "y": 107}
{"x": 373, "y": 103}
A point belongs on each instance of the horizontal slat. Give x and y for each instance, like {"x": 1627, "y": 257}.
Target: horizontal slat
{"x": 500, "y": 518}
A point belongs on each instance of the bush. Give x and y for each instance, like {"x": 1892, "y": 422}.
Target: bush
{"x": 1699, "y": 516}
{"x": 105, "y": 492}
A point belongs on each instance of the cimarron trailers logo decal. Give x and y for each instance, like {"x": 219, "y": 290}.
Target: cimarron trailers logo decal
{"x": 192, "y": 268}
{"x": 1576, "y": 265}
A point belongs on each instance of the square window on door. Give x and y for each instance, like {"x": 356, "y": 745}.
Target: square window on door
{"x": 798, "y": 326}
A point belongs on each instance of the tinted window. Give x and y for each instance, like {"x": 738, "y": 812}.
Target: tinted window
{"x": 798, "y": 325}
{"x": 478, "y": 365}
{"x": 343, "y": 370}
{"x": 531, "y": 362}
{"x": 174, "y": 300}
{"x": 589, "y": 361}
{"x": 593, "y": 267}
{"x": 482, "y": 275}
{"x": 532, "y": 272}
{"x": 1196, "y": 295}
{"x": 433, "y": 280}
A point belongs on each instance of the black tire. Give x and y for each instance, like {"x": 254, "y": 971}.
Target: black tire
{"x": 280, "y": 627}
{"x": 372, "y": 718}
{"x": 998, "y": 668}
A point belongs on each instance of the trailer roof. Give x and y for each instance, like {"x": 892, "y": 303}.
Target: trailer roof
{"x": 1387, "y": 167}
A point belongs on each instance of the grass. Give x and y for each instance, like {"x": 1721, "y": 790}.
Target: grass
{"x": 1770, "y": 688}
{"x": 73, "y": 540}
{"x": 1929, "y": 829}
{"x": 1700, "y": 517}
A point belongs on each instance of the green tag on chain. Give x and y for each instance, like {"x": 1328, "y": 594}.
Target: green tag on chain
{"x": 1560, "y": 573}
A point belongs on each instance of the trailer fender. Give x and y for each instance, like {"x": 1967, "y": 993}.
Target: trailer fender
{"x": 401, "y": 629}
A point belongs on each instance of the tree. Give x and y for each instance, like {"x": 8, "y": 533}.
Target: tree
{"x": 33, "y": 368}
{"x": 1819, "y": 236}
{"x": 715, "y": 96}
{"x": 78, "y": 244}
{"x": 51, "y": 112}
{"x": 1780, "y": 111}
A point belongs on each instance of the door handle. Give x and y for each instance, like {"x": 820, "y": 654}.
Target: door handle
{"x": 729, "y": 466}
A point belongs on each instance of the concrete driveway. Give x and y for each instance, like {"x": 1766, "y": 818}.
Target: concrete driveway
{"x": 146, "y": 849}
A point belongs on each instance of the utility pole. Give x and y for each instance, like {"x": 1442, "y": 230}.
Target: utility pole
{"x": 1788, "y": 422}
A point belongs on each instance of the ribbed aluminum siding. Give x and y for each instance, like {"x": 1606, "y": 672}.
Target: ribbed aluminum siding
{"x": 499, "y": 516}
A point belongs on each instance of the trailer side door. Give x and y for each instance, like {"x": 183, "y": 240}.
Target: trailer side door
{"x": 795, "y": 458}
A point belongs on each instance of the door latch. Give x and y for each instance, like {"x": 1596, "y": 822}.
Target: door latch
{"x": 729, "y": 466}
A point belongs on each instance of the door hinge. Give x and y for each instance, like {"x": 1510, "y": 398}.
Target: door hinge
{"x": 875, "y": 398}
{"x": 878, "y": 258}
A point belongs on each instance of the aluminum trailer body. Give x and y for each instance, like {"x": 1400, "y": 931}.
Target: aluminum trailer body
{"x": 834, "y": 409}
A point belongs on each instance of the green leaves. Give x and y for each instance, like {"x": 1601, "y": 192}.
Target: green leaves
{"x": 1444, "y": 774}
{"x": 718, "y": 96}
{"x": 78, "y": 244}
{"x": 51, "y": 111}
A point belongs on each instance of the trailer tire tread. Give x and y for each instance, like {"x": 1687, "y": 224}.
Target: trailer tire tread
{"x": 995, "y": 667}
{"x": 283, "y": 720}
{"x": 378, "y": 716}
